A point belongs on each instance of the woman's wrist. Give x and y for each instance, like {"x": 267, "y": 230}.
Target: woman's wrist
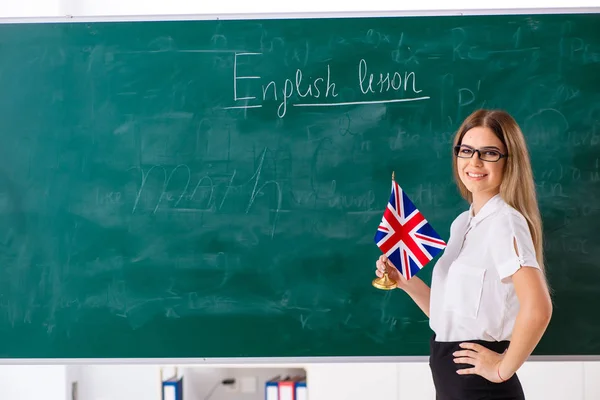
{"x": 499, "y": 374}
{"x": 503, "y": 373}
{"x": 412, "y": 284}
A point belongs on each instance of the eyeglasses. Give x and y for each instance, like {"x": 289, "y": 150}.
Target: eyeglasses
{"x": 485, "y": 154}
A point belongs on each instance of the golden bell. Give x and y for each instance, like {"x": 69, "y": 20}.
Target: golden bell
{"x": 384, "y": 283}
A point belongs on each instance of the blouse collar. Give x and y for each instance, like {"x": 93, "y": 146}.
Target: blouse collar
{"x": 490, "y": 207}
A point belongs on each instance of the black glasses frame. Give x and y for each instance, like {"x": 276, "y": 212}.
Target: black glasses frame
{"x": 457, "y": 149}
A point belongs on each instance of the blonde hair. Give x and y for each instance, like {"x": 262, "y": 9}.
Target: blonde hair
{"x": 517, "y": 188}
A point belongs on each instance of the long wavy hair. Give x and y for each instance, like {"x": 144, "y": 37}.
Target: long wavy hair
{"x": 517, "y": 188}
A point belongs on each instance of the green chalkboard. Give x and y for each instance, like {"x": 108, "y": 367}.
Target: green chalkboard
{"x": 212, "y": 188}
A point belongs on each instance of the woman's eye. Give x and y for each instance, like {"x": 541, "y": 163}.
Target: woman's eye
{"x": 491, "y": 153}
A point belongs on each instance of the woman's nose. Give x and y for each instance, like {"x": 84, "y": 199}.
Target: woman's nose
{"x": 475, "y": 160}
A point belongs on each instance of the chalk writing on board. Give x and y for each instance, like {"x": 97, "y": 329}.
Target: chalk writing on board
{"x": 322, "y": 91}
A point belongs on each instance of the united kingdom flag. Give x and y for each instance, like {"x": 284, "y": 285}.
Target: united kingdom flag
{"x": 405, "y": 236}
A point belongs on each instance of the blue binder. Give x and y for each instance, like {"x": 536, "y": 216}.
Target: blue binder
{"x": 272, "y": 389}
{"x": 172, "y": 388}
{"x": 301, "y": 390}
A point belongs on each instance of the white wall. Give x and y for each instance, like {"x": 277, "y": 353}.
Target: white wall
{"x": 25, "y": 382}
{"x": 394, "y": 381}
{"x": 30, "y": 8}
{"x": 119, "y": 382}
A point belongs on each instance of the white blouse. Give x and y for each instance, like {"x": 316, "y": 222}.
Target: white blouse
{"x": 472, "y": 295}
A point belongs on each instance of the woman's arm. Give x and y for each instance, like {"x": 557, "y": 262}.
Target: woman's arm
{"x": 535, "y": 310}
{"x": 415, "y": 287}
{"x": 532, "y": 320}
{"x": 419, "y": 292}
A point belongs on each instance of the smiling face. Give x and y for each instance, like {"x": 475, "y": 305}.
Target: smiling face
{"x": 482, "y": 178}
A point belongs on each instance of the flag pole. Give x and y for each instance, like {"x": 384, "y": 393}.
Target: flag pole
{"x": 385, "y": 282}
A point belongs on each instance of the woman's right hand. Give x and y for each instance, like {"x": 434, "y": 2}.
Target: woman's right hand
{"x": 383, "y": 265}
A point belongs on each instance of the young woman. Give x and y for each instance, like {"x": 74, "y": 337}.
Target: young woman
{"x": 489, "y": 302}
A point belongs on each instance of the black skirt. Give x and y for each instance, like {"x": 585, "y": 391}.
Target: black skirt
{"x": 451, "y": 386}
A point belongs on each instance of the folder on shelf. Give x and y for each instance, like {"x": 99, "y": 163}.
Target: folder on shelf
{"x": 287, "y": 389}
{"x": 171, "y": 388}
{"x": 301, "y": 391}
{"x": 292, "y": 387}
{"x": 272, "y": 389}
